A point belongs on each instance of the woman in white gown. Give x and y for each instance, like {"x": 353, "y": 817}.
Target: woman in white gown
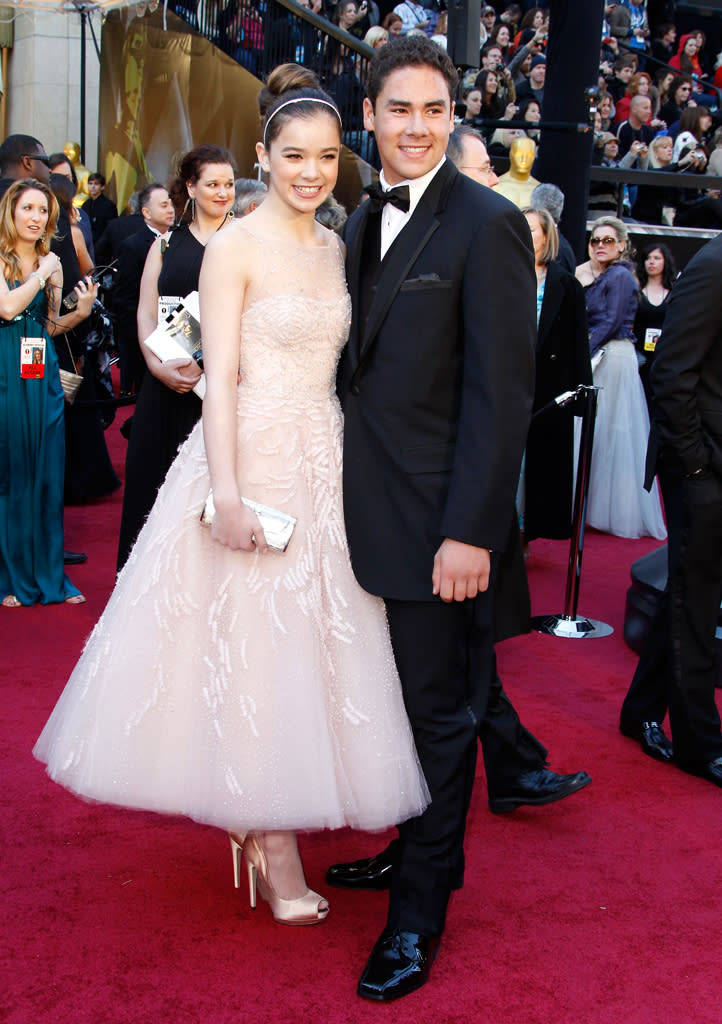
{"x": 246, "y": 689}
{"x": 617, "y": 502}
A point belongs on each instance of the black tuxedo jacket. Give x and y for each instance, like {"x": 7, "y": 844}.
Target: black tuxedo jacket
{"x": 106, "y": 249}
{"x": 126, "y": 289}
{"x": 686, "y": 376}
{"x": 437, "y": 387}
{"x": 101, "y": 212}
{"x": 562, "y": 363}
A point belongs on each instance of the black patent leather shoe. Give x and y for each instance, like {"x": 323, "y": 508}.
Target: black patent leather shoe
{"x": 399, "y": 963}
{"x": 367, "y": 873}
{"x": 651, "y": 738}
{"x": 535, "y": 788}
{"x": 74, "y": 557}
{"x": 710, "y": 770}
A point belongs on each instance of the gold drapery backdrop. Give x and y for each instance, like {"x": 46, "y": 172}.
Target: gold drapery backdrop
{"x": 165, "y": 90}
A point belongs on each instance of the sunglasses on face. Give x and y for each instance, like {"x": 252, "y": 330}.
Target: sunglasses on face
{"x": 607, "y": 240}
{"x": 35, "y": 156}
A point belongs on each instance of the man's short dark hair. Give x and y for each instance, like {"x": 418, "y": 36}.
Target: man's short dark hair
{"x": 97, "y": 176}
{"x": 15, "y": 147}
{"x": 626, "y": 61}
{"x": 146, "y": 192}
{"x": 405, "y": 52}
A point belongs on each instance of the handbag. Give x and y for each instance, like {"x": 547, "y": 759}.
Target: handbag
{"x": 277, "y": 526}
{"x": 70, "y": 382}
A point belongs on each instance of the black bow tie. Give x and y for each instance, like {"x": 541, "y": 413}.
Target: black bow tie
{"x": 378, "y": 197}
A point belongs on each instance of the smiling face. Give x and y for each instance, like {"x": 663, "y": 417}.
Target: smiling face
{"x": 412, "y": 119}
{"x": 302, "y": 161}
{"x": 492, "y": 83}
{"x": 691, "y": 46}
{"x": 214, "y": 191}
{"x": 492, "y": 58}
{"x": 31, "y": 216}
{"x": 502, "y": 36}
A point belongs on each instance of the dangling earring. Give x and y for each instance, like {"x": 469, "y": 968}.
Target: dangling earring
{"x": 193, "y": 209}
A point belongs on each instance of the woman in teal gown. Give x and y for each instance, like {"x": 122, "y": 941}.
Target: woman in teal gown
{"x": 32, "y": 429}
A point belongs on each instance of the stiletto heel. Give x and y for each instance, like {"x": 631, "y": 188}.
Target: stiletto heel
{"x": 252, "y": 879}
{"x": 304, "y": 909}
{"x": 237, "y": 842}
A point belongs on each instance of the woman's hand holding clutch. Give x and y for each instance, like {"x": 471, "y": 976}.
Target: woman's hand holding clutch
{"x": 237, "y": 527}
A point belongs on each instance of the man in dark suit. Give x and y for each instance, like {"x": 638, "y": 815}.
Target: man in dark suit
{"x": 678, "y": 666}
{"x": 158, "y": 213}
{"x": 98, "y": 207}
{"x": 437, "y": 385}
{"x": 514, "y": 759}
{"x": 117, "y": 231}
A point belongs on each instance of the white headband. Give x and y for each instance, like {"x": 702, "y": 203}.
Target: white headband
{"x": 300, "y": 99}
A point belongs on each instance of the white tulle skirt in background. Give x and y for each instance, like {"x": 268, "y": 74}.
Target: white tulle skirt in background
{"x": 618, "y": 503}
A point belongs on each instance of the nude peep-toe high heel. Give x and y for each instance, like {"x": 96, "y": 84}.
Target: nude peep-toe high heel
{"x": 304, "y": 909}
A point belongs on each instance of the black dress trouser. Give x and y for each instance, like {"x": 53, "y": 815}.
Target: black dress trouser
{"x": 678, "y": 666}
{"x": 445, "y": 657}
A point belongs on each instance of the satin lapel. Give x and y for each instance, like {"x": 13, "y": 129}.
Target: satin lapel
{"x": 395, "y": 270}
{"x": 406, "y": 250}
{"x": 354, "y": 241}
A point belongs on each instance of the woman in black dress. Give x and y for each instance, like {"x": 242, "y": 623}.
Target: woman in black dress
{"x": 656, "y": 273}
{"x": 168, "y": 408}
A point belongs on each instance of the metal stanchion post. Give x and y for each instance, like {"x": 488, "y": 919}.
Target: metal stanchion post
{"x": 569, "y": 624}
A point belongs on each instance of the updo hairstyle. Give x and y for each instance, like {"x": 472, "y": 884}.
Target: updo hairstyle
{"x": 292, "y": 82}
{"x": 190, "y": 168}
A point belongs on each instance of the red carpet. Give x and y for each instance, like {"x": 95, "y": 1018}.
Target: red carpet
{"x": 603, "y": 909}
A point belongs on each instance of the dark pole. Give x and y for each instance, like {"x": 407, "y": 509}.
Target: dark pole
{"x": 83, "y": 19}
{"x": 569, "y": 625}
{"x": 572, "y": 68}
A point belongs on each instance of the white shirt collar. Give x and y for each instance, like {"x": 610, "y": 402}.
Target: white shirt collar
{"x": 393, "y": 220}
{"x": 417, "y": 186}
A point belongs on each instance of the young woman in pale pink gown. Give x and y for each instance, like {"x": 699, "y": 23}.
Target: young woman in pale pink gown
{"x": 243, "y": 688}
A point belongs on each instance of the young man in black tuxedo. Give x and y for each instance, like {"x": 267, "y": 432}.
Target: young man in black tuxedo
{"x": 436, "y": 384}
{"x": 514, "y": 759}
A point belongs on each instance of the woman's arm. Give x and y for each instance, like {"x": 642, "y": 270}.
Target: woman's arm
{"x": 613, "y": 303}
{"x": 87, "y": 292}
{"x": 225, "y": 275}
{"x": 14, "y": 300}
{"x": 179, "y": 375}
{"x": 84, "y": 261}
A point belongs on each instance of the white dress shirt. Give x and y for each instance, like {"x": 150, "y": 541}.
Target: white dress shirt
{"x": 393, "y": 220}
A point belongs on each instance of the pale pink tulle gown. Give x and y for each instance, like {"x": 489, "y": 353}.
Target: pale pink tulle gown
{"x": 250, "y": 691}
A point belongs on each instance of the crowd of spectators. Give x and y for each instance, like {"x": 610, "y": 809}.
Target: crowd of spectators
{"x": 650, "y": 75}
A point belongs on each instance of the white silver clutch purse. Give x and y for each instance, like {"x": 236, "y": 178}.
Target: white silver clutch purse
{"x": 277, "y": 526}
